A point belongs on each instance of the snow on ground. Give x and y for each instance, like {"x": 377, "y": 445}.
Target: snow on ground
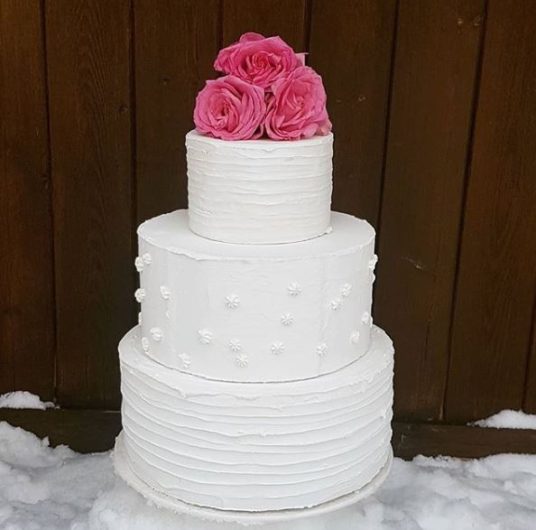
{"x": 509, "y": 419}
{"x": 42, "y": 488}
{"x": 23, "y": 400}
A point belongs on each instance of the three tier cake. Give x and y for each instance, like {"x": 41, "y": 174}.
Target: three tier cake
{"x": 256, "y": 380}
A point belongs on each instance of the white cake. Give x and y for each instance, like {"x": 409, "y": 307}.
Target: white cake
{"x": 255, "y": 380}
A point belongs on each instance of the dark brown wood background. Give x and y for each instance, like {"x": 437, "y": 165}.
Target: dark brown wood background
{"x": 434, "y": 111}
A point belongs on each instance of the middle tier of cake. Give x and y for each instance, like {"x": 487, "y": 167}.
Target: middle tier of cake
{"x": 255, "y": 313}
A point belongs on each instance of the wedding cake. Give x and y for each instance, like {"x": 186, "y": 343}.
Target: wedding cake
{"x": 256, "y": 380}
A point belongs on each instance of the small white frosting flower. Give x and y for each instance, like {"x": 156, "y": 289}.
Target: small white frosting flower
{"x": 287, "y": 319}
{"x": 164, "y": 292}
{"x": 366, "y": 318}
{"x": 147, "y": 258}
{"x": 322, "y": 349}
{"x": 138, "y": 263}
{"x": 145, "y": 343}
{"x": 372, "y": 262}
{"x": 139, "y": 294}
{"x": 235, "y": 345}
{"x": 278, "y": 348}
{"x": 232, "y": 301}
{"x": 205, "y": 336}
{"x": 294, "y": 289}
{"x": 346, "y": 289}
{"x": 156, "y": 334}
{"x": 186, "y": 360}
{"x": 242, "y": 360}
{"x": 336, "y": 304}
{"x": 354, "y": 337}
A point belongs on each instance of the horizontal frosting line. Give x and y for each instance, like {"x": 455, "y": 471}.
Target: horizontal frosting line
{"x": 266, "y": 408}
{"x": 241, "y": 479}
{"x": 286, "y": 454}
{"x": 234, "y": 461}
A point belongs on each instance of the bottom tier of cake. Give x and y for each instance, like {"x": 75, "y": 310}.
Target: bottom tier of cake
{"x": 256, "y": 446}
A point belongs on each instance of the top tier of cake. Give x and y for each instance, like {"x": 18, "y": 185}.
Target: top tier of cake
{"x": 259, "y": 191}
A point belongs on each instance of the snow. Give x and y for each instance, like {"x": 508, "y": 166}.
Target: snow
{"x": 44, "y": 488}
{"x": 21, "y": 399}
{"x": 509, "y": 419}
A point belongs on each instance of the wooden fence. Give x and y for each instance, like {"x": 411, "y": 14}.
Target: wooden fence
{"x": 434, "y": 111}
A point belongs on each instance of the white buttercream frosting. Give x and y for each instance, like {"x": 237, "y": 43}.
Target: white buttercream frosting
{"x": 259, "y": 191}
{"x": 256, "y": 447}
{"x": 300, "y": 296}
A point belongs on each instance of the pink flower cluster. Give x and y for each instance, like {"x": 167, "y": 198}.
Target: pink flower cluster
{"x": 267, "y": 90}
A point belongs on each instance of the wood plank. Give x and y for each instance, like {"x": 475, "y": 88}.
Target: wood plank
{"x": 496, "y": 285}
{"x": 530, "y": 386}
{"x": 176, "y": 44}
{"x": 351, "y": 47}
{"x": 26, "y": 257}
{"x": 437, "y": 57}
{"x": 95, "y": 430}
{"x": 286, "y": 18}
{"x": 88, "y": 66}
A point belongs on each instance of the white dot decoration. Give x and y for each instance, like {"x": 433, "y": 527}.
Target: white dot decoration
{"x": 366, "y": 319}
{"x": 335, "y": 304}
{"x": 145, "y": 343}
{"x": 354, "y": 337}
{"x": 287, "y": 319}
{"x": 139, "y": 295}
{"x": 278, "y": 348}
{"x": 322, "y": 349}
{"x": 372, "y": 262}
{"x": 346, "y": 289}
{"x": 235, "y": 345}
{"x": 205, "y": 336}
{"x": 294, "y": 289}
{"x": 156, "y": 334}
{"x": 186, "y": 360}
{"x": 147, "y": 259}
{"x": 138, "y": 263}
{"x": 241, "y": 360}
{"x": 140, "y": 318}
{"x": 232, "y": 301}
{"x": 164, "y": 292}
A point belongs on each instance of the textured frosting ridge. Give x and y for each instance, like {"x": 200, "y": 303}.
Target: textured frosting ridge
{"x": 257, "y": 447}
{"x": 259, "y": 191}
{"x": 255, "y": 313}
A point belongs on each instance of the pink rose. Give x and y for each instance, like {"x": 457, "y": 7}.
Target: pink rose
{"x": 258, "y": 60}
{"x": 231, "y": 109}
{"x": 297, "y": 108}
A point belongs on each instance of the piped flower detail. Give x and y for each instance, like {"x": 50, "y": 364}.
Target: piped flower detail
{"x": 156, "y": 334}
{"x": 145, "y": 344}
{"x": 241, "y": 360}
{"x": 366, "y": 319}
{"x": 335, "y": 304}
{"x": 346, "y": 289}
{"x": 287, "y": 319}
{"x": 147, "y": 259}
{"x": 205, "y": 336}
{"x": 372, "y": 262}
{"x": 278, "y": 348}
{"x": 322, "y": 349}
{"x": 235, "y": 346}
{"x": 294, "y": 289}
{"x": 354, "y": 337}
{"x": 165, "y": 293}
{"x": 138, "y": 263}
{"x": 139, "y": 295}
{"x": 232, "y": 301}
{"x": 186, "y": 360}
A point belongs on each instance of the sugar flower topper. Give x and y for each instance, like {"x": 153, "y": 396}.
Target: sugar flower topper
{"x": 267, "y": 92}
